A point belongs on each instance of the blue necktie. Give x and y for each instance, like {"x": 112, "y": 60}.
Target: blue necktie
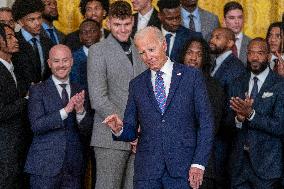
{"x": 160, "y": 92}
{"x": 168, "y": 41}
{"x": 191, "y": 25}
{"x": 64, "y": 94}
{"x": 52, "y": 36}
{"x": 254, "y": 90}
{"x": 39, "y": 66}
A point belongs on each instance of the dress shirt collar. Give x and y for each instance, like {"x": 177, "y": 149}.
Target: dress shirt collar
{"x": 220, "y": 59}
{"x": 239, "y": 36}
{"x": 28, "y": 36}
{"x": 86, "y": 50}
{"x": 185, "y": 13}
{"x": 146, "y": 16}
{"x": 166, "y": 69}
{"x": 262, "y": 76}
{"x": 8, "y": 65}
{"x": 46, "y": 26}
{"x": 57, "y": 81}
{"x": 102, "y": 34}
{"x": 165, "y": 32}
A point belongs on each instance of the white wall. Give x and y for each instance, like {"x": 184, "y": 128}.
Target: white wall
{"x": 6, "y": 3}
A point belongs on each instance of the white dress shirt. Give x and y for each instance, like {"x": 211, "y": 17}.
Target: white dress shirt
{"x": 144, "y": 19}
{"x": 86, "y": 50}
{"x": 219, "y": 60}
{"x": 63, "y": 113}
{"x": 164, "y": 32}
{"x": 10, "y": 68}
{"x": 271, "y": 62}
{"x": 261, "y": 79}
{"x": 196, "y": 18}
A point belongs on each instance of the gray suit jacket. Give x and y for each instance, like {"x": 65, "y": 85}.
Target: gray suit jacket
{"x": 243, "y": 51}
{"x": 209, "y": 22}
{"x": 109, "y": 72}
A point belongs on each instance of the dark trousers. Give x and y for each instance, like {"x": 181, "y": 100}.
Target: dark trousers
{"x": 166, "y": 182}
{"x": 249, "y": 180}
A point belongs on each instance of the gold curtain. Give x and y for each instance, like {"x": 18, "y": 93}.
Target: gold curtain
{"x": 258, "y": 14}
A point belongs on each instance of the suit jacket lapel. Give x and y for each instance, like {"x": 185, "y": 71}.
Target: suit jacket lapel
{"x": 151, "y": 93}
{"x": 268, "y": 83}
{"x": 9, "y": 77}
{"x": 177, "y": 74}
{"x": 58, "y": 104}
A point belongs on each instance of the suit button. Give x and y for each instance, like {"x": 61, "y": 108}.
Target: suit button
{"x": 163, "y": 121}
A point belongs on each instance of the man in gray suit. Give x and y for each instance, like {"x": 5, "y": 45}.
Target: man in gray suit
{"x": 112, "y": 63}
{"x": 197, "y": 19}
{"x": 234, "y": 20}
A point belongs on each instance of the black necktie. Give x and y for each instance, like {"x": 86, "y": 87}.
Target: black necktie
{"x": 276, "y": 61}
{"x": 38, "y": 65}
{"x": 64, "y": 94}
{"x": 213, "y": 65}
{"x": 52, "y": 36}
{"x": 168, "y": 41}
{"x": 254, "y": 90}
{"x": 191, "y": 24}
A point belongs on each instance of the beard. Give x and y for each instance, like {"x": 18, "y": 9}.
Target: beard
{"x": 216, "y": 50}
{"x": 251, "y": 66}
{"x": 49, "y": 18}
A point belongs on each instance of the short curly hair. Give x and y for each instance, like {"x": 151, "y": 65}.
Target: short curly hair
{"x": 83, "y": 4}
{"x": 120, "y": 9}
{"x": 21, "y": 8}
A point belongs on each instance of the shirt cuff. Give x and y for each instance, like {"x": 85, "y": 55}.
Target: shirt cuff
{"x": 198, "y": 166}
{"x": 63, "y": 114}
{"x": 117, "y": 134}
{"x": 238, "y": 123}
{"x": 80, "y": 116}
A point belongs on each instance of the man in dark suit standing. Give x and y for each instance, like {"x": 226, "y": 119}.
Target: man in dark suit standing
{"x": 13, "y": 126}
{"x": 33, "y": 54}
{"x": 176, "y": 35}
{"x": 49, "y": 15}
{"x": 234, "y": 20}
{"x": 257, "y": 100}
{"x": 197, "y": 19}
{"x": 225, "y": 69}
{"x": 57, "y": 110}
{"x": 165, "y": 101}
{"x": 146, "y": 15}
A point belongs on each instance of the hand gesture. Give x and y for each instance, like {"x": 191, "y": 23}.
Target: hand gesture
{"x": 195, "y": 177}
{"x": 243, "y": 108}
{"x": 79, "y": 100}
{"x": 134, "y": 145}
{"x": 114, "y": 122}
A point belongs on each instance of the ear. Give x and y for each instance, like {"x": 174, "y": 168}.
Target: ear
{"x": 20, "y": 22}
{"x": 164, "y": 46}
{"x": 49, "y": 63}
{"x": 224, "y": 23}
{"x": 108, "y": 22}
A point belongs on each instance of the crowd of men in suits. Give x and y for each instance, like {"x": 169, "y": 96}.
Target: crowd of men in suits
{"x": 190, "y": 104}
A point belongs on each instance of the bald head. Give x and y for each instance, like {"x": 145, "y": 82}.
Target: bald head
{"x": 60, "y": 61}
{"x": 222, "y": 40}
{"x": 228, "y": 33}
{"x": 260, "y": 42}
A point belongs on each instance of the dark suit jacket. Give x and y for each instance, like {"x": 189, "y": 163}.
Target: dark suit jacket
{"x": 26, "y": 62}
{"x": 182, "y": 36}
{"x": 72, "y": 40}
{"x": 79, "y": 69}
{"x": 14, "y": 137}
{"x": 54, "y": 140}
{"x": 154, "y": 21}
{"x": 230, "y": 69}
{"x": 173, "y": 140}
{"x": 265, "y": 130}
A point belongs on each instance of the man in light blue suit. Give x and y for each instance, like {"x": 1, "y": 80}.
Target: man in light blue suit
{"x": 57, "y": 110}
{"x": 170, "y": 103}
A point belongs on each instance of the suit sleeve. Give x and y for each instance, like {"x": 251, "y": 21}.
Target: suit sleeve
{"x": 130, "y": 121}
{"x": 41, "y": 122}
{"x": 98, "y": 83}
{"x": 205, "y": 119}
{"x": 272, "y": 123}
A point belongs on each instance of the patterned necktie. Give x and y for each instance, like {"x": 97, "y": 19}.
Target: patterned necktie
{"x": 160, "y": 92}
{"x": 168, "y": 41}
{"x": 52, "y": 36}
{"x": 64, "y": 94}
{"x": 254, "y": 90}
{"x": 39, "y": 66}
{"x": 191, "y": 24}
{"x": 213, "y": 65}
{"x": 235, "y": 50}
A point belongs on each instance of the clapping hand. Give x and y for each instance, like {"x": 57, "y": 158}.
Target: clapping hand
{"x": 76, "y": 102}
{"x": 195, "y": 177}
{"x": 114, "y": 122}
{"x": 243, "y": 108}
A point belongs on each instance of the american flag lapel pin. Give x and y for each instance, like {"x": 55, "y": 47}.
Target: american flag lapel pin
{"x": 179, "y": 74}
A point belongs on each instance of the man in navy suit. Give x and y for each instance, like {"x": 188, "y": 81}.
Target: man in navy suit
{"x": 176, "y": 35}
{"x": 168, "y": 101}
{"x": 57, "y": 110}
{"x": 257, "y": 99}
{"x": 226, "y": 68}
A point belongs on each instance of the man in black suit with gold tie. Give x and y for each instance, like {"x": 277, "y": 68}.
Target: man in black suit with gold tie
{"x": 13, "y": 130}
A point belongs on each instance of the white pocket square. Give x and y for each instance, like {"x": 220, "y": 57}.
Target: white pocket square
{"x": 267, "y": 94}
